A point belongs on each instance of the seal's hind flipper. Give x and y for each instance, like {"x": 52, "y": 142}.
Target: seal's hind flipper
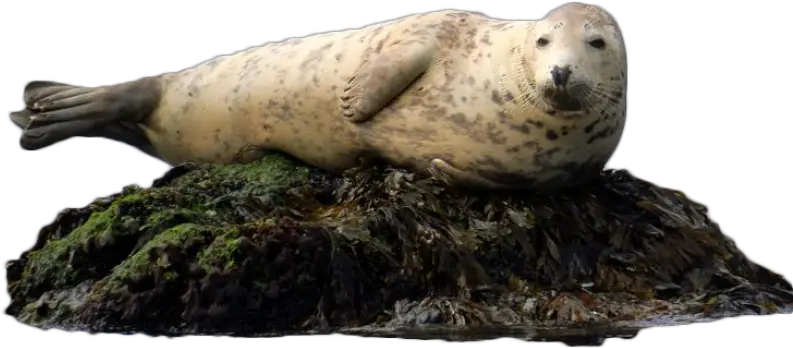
{"x": 57, "y": 111}
{"x": 125, "y": 132}
{"x": 47, "y": 134}
{"x": 41, "y": 89}
{"x": 378, "y": 81}
{"x": 56, "y": 102}
{"x": 21, "y": 118}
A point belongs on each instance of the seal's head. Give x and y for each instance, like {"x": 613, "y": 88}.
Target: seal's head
{"x": 576, "y": 58}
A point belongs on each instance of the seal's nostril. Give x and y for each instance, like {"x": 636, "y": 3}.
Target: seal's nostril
{"x": 560, "y": 75}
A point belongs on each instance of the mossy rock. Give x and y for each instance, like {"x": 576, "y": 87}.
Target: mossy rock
{"x": 274, "y": 247}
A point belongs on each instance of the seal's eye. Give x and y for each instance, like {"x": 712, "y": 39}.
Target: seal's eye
{"x": 542, "y": 42}
{"x": 597, "y": 43}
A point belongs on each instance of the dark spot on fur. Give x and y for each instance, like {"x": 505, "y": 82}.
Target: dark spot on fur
{"x": 435, "y": 114}
{"x": 535, "y": 123}
{"x": 602, "y": 134}
{"x": 459, "y": 119}
{"x": 495, "y": 135}
{"x": 503, "y": 118}
{"x": 496, "y": 98}
{"x": 448, "y": 99}
{"x": 314, "y": 57}
{"x": 285, "y": 108}
{"x": 469, "y": 47}
{"x": 523, "y": 128}
{"x": 588, "y": 129}
{"x": 551, "y": 135}
{"x": 380, "y": 46}
{"x": 530, "y": 144}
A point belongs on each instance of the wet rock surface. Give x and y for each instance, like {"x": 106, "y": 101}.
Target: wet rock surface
{"x": 276, "y": 248}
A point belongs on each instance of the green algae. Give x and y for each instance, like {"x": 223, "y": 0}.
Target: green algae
{"x": 220, "y": 249}
{"x": 127, "y": 223}
{"x": 223, "y": 253}
{"x": 271, "y": 175}
{"x": 46, "y": 264}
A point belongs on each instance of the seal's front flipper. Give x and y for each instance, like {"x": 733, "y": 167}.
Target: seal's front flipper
{"x": 452, "y": 176}
{"x": 379, "y": 80}
{"x": 57, "y": 111}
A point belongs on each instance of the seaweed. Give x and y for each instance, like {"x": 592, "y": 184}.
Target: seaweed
{"x": 275, "y": 247}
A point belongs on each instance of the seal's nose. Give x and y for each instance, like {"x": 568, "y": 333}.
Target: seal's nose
{"x": 560, "y": 75}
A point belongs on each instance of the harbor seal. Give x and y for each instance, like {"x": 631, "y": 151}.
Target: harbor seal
{"x": 469, "y": 99}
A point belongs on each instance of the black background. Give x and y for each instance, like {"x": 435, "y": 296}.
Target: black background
{"x": 694, "y": 122}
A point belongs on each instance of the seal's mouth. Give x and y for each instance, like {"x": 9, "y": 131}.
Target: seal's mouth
{"x": 566, "y": 98}
{"x": 562, "y": 100}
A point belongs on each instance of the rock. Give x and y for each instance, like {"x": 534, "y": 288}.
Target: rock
{"x": 275, "y": 248}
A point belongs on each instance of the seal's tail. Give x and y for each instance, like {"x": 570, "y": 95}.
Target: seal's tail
{"x": 55, "y": 112}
